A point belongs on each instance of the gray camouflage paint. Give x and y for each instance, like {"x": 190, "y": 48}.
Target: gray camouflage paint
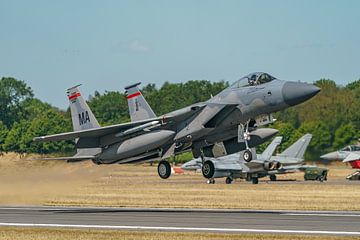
{"x": 197, "y": 127}
{"x": 234, "y": 165}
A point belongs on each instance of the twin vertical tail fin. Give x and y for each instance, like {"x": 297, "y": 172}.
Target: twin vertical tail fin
{"x": 139, "y": 109}
{"x": 81, "y": 115}
{"x": 269, "y": 151}
{"x": 297, "y": 150}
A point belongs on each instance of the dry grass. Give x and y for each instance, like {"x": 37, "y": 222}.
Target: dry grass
{"x": 78, "y": 234}
{"x": 84, "y": 184}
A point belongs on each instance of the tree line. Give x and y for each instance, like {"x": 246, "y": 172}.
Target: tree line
{"x": 333, "y": 116}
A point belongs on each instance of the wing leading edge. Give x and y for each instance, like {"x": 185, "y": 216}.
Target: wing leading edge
{"x": 95, "y": 132}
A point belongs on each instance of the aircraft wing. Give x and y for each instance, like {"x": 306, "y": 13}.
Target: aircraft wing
{"x": 95, "y": 132}
{"x": 254, "y": 164}
{"x": 228, "y": 166}
{"x": 291, "y": 169}
{"x": 352, "y": 157}
{"x": 218, "y": 113}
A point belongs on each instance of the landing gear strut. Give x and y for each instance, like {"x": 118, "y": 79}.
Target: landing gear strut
{"x": 244, "y": 136}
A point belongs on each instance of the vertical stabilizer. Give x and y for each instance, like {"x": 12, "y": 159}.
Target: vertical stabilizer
{"x": 297, "y": 150}
{"x": 139, "y": 109}
{"x": 269, "y": 151}
{"x": 81, "y": 115}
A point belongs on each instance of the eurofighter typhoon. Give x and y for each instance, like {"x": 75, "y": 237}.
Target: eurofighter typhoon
{"x": 234, "y": 166}
{"x": 230, "y": 119}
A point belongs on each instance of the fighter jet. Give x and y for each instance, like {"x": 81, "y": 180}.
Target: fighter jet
{"x": 234, "y": 166}
{"x": 342, "y": 153}
{"x": 230, "y": 119}
{"x": 349, "y": 154}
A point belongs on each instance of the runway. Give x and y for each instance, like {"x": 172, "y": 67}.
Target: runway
{"x": 194, "y": 220}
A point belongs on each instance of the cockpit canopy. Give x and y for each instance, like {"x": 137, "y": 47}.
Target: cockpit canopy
{"x": 253, "y": 79}
{"x": 351, "y": 148}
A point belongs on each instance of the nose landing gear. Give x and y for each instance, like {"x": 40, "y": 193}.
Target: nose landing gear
{"x": 244, "y": 136}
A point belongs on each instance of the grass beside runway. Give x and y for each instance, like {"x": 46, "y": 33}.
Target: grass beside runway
{"x": 93, "y": 234}
{"x": 85, "y": 184}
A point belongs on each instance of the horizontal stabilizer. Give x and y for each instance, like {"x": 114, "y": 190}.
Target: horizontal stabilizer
{"x": 73, "y": 158}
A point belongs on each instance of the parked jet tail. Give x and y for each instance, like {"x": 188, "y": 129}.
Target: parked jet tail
{"x": 139, "y": 109}
{"x": 81, "y": 115}
{"x": 258, "y": 161}
{"x": 297, "y": 150}
{"x": 269, "y": 151}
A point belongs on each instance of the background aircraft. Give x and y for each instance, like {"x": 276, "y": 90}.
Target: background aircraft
{"x": 349, "y": 154}
{"x": 230, "y": 118}
{"x": 265, "y": 164}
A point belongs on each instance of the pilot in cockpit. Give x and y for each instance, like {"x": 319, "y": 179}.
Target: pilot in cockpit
{"x": 252, "y": 80}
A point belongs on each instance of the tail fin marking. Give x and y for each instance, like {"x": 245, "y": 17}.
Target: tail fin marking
{"x": 139, "y": 108}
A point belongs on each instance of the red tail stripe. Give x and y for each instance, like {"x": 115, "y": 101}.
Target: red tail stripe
{"x": 74, "y": 96}
{"x": 133, "y": 95}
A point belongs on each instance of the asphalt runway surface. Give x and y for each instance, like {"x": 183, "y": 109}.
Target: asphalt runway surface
{"x": 193, "y": 220}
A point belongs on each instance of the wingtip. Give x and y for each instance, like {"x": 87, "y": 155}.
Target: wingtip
{"x": 132, "y": 85}
{"x": 73, "y": 87}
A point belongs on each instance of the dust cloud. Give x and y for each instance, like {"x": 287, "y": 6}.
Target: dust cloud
{"x": 33, "y": 182}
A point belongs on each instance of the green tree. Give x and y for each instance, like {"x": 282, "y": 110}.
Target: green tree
{"x": 344, "y": 135}
{"x": 110, "y": 108}
{"x": 321, "y": 140}
{"x": 286, "y": 130}
{"x": 3, "y": 133}
{"x": 49, "y": 122}
{"x": 353, "y": 85}
{"x": 12, "y": 93}
{"x": 14, "y": 141}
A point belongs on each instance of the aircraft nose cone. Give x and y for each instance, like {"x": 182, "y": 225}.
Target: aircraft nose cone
{"x": 330, "y": 156}
{"x": 296, "y": 92}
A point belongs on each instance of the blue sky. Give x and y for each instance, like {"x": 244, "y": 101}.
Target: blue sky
{"x": 106, "y": 45}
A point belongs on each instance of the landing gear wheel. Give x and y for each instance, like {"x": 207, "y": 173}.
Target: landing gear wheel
{"x": 164, "y": 169}
{"x": 321, "y": 178}
{"x": 247, "y": 155}
{"x": 208, "y": 169}
{"x": 273, "y": 178}
{"x": 228, "y": 180}
{"x": 211, "y": 181}
{"x": 255, "y": 180}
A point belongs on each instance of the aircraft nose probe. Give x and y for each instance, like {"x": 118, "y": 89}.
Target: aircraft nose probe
{"x": 297, "y": 92}
{"x": 330, "y": 156}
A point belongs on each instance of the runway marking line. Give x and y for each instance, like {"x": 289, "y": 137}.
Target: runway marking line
{"x": 234, "y": 230}
{"x": 321, "y": 214}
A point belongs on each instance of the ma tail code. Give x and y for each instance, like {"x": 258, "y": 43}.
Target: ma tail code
{"x": 84, "y": 118}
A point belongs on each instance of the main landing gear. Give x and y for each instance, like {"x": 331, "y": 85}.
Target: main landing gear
{"x": 244, "y": 136}
{"x": 229, "y": 180}
{"x": 164, "y": 169}
{"x": 254, "y": 180}
{"x": 273, "y": 178}
{"x": 211, "y": 181}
